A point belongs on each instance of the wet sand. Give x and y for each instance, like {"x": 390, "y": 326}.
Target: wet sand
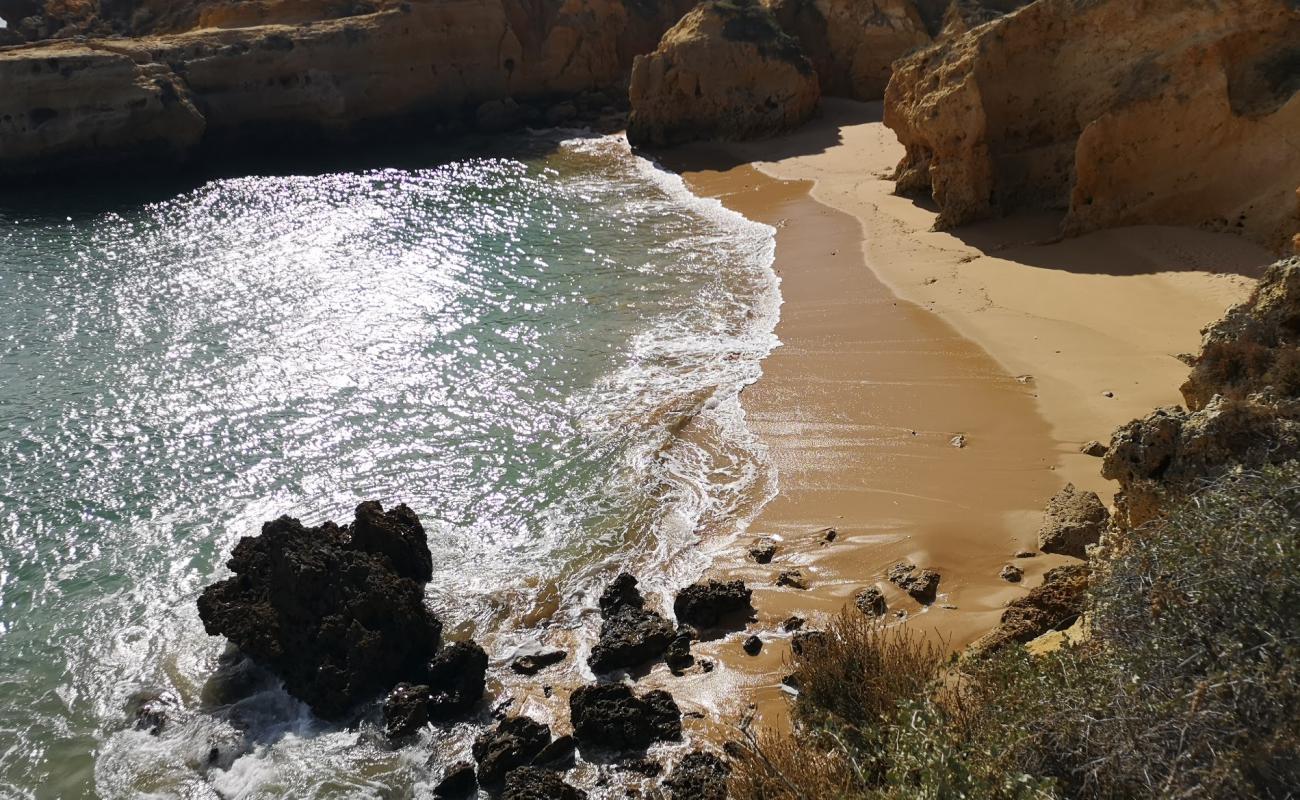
{"x": 895, "y": 340}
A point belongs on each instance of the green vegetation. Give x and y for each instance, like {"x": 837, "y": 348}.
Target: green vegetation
{"x": 1188, "y": 686}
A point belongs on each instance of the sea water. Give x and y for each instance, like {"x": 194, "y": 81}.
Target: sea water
{"x": 539, "y": 348}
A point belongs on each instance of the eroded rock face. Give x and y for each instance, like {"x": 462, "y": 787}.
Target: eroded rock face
{"x": 1073, "y": 520}
{"x": 726, "y": 71}
{"x": 612, "y": 717}
{"x": 630, "y": 634}
{"x": 852, "y": 43}
{"x": 1054, "y": 605}
{"x": 73, "y": 105}
{"x": 1122, "y": 113}
{"x": 339, "y": 622}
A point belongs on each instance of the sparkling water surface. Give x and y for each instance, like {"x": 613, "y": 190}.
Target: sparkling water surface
{"x": 509, "y": 344}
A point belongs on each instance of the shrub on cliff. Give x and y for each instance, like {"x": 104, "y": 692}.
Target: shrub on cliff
{"x": 1188, "y": 686}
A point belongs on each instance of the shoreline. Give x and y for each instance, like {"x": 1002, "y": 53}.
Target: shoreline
{"x": 883, "y": 323}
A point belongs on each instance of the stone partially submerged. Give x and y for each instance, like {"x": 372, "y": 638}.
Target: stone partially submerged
{"x": 612, "y": 717}
{"x": 336, "y": 612}
{"x": 708, "y": 604}
{"x": 630, "y": 634}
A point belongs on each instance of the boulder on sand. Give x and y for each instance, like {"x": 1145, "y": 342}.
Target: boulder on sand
{"x": 708, "y": 603}
{"x": 611, "y": 717}
{"x": 630, "y": 634}
{"x": 336, "y": 612}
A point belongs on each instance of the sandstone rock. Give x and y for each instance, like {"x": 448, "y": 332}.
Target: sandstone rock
{"x": 515, "y": 742}
{"x": 852, "y": 43}
{"x": 612, "y": 717}
{"x": 457, "y": 781}
{"x": 533, "y": 663}
{"x": 1073, "y": 520}
{"x": 725, "y": 71}
{"x": 763, "y": 549}
{"x": 871, "y": 601}
{"x": 1094, "y": 448}
{"x": 710, "y": 603}
{"x": 1163, "y": 112}
{"x": 335, "y": 618}
{"x": 630, "y": 634}
{"x": 792, "y": 578}
{"x": 922, "y": 585}
{"x": 533, "y": 783}
{"x": 699, "y": 775}
{"x": 1054, "y": 605}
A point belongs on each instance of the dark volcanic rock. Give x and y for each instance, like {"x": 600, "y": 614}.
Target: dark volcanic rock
{"x": 631, "y": 634}
{"x": 699, "y": 776}
{"x": 533, "y": 663}
{"x": 334, "y": 616}
{"x": 515, "y": 742}
{"x": 534, "y": 783}
{"x": 406, "y": 710}
{"x": 457, "y": 781}
{"x": 707, "y": 603}
{"x": 152, "y": 711}
{"x": 611, "y": 717}
{"x": 456, "y": 676}
{"x": 678, "y": 656}
{"x": 752, "y": 645}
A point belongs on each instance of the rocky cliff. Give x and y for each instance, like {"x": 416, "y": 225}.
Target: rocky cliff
{"x": 726, "y": 71}
{"x": 422, "y": 62}
{"x": 1118, "y": 112}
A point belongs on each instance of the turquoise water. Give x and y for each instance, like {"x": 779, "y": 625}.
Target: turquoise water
{"x": 540, "y": 353}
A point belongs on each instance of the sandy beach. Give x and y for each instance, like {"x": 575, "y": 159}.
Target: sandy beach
{"x": 896, "y": 339}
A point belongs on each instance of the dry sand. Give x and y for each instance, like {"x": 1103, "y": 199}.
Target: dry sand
{"x": 896, "y": 339}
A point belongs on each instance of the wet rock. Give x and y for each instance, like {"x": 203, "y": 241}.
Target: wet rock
{"x": 559, "y": 752}
{"x": 533, "y": 663}
{"x": 792, "y": 578}
{"x": 763, "y": 550}
{"x": 922, "y": 585}
{"x": 152, "y": 711}
{"x": 458, "y": 781}
{"x": 793, "y": 623}
{"x": 642, "y": 766}
{"x": 1026, "y": 554}
{"x": 406, "y": 710}
{"x": 1011, "y": 573}
{"x": 678, "y": 656}
{"x": 533, "y": 783}
{"x": 804, "y": 641}
{"x": 699, "y": 776}
{"x": 515, "y": 742}
{"x": 561, "y": 113}
{"x": 1073, "y": 520}
{"x": 871, "y": 601}
{"x": 1094, "y": 448}
{"x": 612, "y": 717}
{"x": 630, "y": 634}
{"x": 709, "y": 603}
{"x": 456, "y": 676}
{"x": 328, "y": 609}
{"x": 752, "y": 645}
{"x": 1055, "y": 605}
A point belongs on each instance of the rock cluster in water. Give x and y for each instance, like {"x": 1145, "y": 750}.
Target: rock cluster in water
{"x": 630, "y": 634}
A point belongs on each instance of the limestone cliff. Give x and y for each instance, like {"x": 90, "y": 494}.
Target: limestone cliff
{"x": 1118, "y": 112}
{"x": 725, "y": 71}
{"x": 418, "y": 62}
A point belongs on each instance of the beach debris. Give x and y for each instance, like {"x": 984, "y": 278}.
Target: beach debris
{"x": 708, "y": 604}
{"x": 515, "y": 742}
{"x": 752, "y": 645}
{"x": 793, "y": 623}
{"x": 630, "y": 634}
{"x": 922, "y": 585}
{"x": 533, "y": 663}
{"x": 611, "y": 717}
{"x": 1025, "y": 378}
{"x": 1107, "y": 394}
{"x": 763, "y": 549}
{"x": 699, "y": 776}
{"x": 792, "y": 578}
{"x": 457, "y": 781}
{"x": 533, "y": 783}
{"x": 958, "y": 441}
{"x": 1094, "y": 448}
{"x": 335, "y": 611}
{"x": 1011, "y": 573}
{"x": 871, "y": 601}
{"x": 678, "y": 656}
{"x": 1073, "y": 520}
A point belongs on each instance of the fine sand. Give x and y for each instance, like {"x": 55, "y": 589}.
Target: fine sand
{"x": 896, "y": 339}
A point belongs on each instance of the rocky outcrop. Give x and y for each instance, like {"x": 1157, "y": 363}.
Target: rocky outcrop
{"x": 630, "y": 634}
{"x": 1073, "y": 520}
{"x": 612, "y": 717}
{"x": 1054, "y": 605}
{"x": 922, "y": 585}
{"x": 1121, "y": 113}
{"x": 725, "y": 71}
{"x": 700, "y": 775}
{"x": 535, "y": 783}
{"x": 709, "y": 604}
{"x": 454, "y": 685}
{"x": 327, "y": 609}
{"x": 515, "y": 742}
{"x": 852, "y": 43}
{"x": 1244, "y": 401}
{"x": 407, "y": 66}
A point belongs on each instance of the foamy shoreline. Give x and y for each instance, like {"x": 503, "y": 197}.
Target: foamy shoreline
{"x": 896, "y": 337}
